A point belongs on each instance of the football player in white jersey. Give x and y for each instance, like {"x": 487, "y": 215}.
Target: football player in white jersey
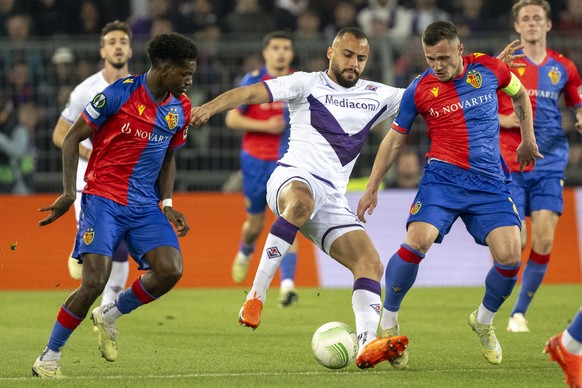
{"x": 115, "y": 52}
{"x": 331, "y": 114}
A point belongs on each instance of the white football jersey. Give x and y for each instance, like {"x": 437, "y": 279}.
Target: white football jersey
{"x": 79, "y": 98}
{"x": 330, "y": 123}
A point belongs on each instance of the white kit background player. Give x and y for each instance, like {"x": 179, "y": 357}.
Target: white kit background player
{"x": 115, "y": 51}
{"x": 331, "y": 114}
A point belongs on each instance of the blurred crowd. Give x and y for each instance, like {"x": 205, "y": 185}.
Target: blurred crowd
{"x": 31, "y": 77}
{"x": 309, "y": 18}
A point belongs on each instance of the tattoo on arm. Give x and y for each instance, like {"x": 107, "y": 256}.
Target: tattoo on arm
{"x": 519, "y": 112}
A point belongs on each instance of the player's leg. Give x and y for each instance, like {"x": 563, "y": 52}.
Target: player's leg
{"x": 566, "y": 349}
{"x": 544, "y": 224}
{"x": 152, "y": 242}
{"x": 118, "y": 276}
{"x": 96, "y": 269}
{"x": 520, "y": 194}
{"x": 355, "y": 250}
{"x": 295, "y": 205}
{"x": 545, "y": 204}
{"x": 517, "y": 322}
{"x": 255, "y": 174}
{"x": 400, "y": 276}
{"x": 505, "y": 246}
{"x": 99, "y": 231}
{"x": 288, "y": 293}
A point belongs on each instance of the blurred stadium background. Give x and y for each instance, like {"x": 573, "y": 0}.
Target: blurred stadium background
{"x": 43, "y": 58}
{"x": 45, "y": 69}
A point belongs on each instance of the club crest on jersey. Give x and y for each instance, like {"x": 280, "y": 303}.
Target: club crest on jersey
{"x": 273, "y": 252}
{"x": 415, "y": 208}
{"x": 474, "y": 79}
{"x": 435, "y": 91}
{"x": 371, "y": 87}
{"x": 555, "y": 75}
{"x": 99, "y": 101}
{"x": 88, "y": 236}
{"x": 172, "y": 119}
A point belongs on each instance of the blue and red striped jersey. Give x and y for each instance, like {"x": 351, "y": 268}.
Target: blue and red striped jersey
{"x": 461, "y": 114}
{"x": 262, "y": 145}
{"x": 132, "y": 134}
{"x": 544, "y": 84}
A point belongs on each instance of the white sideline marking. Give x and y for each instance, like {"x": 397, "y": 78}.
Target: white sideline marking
{"x": 250, "y": 374}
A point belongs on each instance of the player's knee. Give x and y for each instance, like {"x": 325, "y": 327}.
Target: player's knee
{"x": 299, "y": 212}
{"x": 509, "y": 257}
{"x": 172, "y": 273}
{"x": 368, "y": 266}
{"x": 377, "y": 268}
{"x": 94, "y": 284}
{"x": 543, "y": 245}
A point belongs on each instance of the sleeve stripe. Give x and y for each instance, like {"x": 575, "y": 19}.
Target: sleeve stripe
{"x": 398, "y": 128}
{"x": 88, "y": 121}
{"x": 268, "y": 90}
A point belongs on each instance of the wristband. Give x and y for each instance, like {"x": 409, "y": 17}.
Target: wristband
{"x": 167, "y": 202}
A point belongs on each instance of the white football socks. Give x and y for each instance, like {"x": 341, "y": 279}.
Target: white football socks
{"x": 570, "y": 343}
{"x": 272, "y": 255}
{"x": 116, "y": 283}
{"x": 389, "y": 319}
{"x": 484, "y": 316}
{"x": 366, "y": 306}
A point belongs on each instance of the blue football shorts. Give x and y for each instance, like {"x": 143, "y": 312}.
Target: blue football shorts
{"x": 537, "y": 190}
{"x": 255, "y": 174}
{"x": 104, "y": 224}
{"x": 447, "y": 192}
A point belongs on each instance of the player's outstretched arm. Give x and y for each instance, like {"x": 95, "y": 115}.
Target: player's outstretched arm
{"x": 166, "y": 187}
{"x": 527, "y": 151}
{"x": 508, "y": 54}
{"x": 78, "y": 132}
{"x": 387, "y": 153}
{"x": 244, "y": 95}
{"x": 236, "y": 120}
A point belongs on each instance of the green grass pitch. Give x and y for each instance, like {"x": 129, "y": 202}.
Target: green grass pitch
{"x": 192, "y": 338}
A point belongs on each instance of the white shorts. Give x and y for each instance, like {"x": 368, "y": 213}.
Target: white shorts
{"x": 331, "y": 217}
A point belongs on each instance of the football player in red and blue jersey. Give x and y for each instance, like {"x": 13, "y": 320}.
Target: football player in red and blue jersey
{"x": 137, "y": 124}
{"x": 537, "y": 192}
{"x": 464, "y": 176}
{"x": 265, "y": 140}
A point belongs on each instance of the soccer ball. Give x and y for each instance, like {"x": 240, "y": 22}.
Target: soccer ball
{"x": 334, "y": 345}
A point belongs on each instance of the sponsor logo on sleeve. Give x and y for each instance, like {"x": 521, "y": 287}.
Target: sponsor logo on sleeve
{"x": 92, "y": 112}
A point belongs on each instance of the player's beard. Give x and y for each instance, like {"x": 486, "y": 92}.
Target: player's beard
{"x": 117, "y": 65}
{"x": 343, "y": 81}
